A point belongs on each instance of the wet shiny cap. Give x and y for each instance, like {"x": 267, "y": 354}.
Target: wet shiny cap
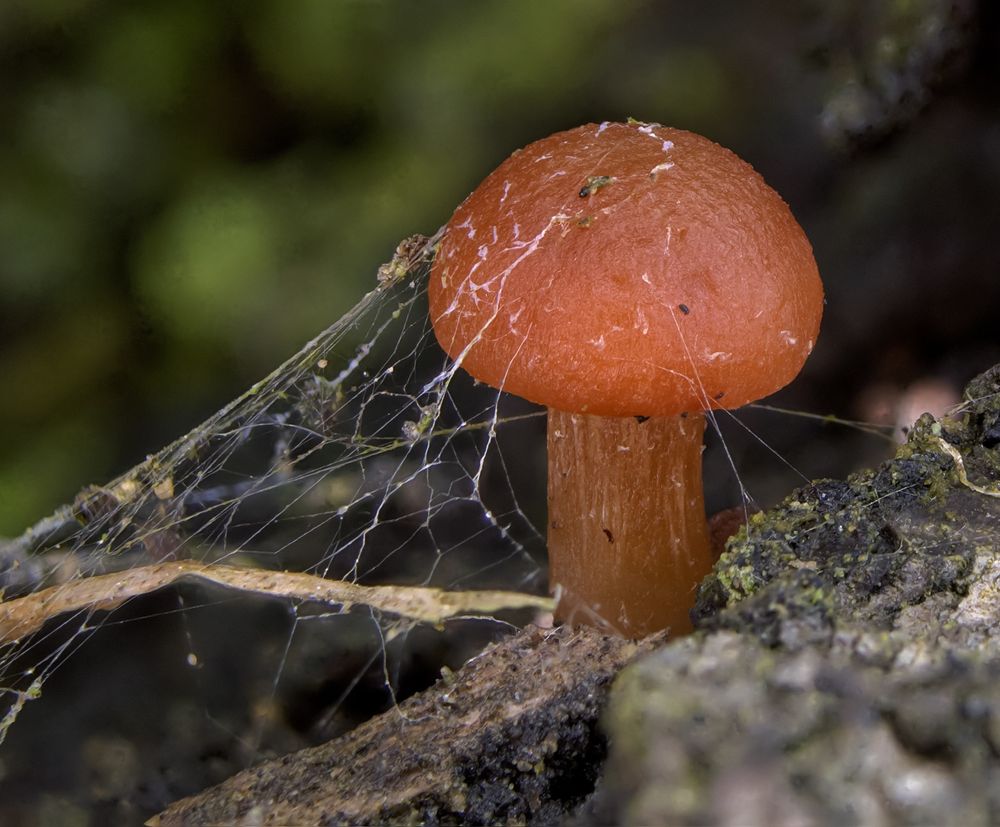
{"x": 626, "y": 270}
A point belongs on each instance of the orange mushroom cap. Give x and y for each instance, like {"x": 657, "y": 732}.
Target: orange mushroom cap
{"x": 626, "y": 269}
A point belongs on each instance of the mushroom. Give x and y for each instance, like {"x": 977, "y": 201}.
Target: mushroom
{"x": 629, "y": 277}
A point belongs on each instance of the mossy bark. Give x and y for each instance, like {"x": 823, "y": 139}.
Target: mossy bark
{"x": 847, "y": 666}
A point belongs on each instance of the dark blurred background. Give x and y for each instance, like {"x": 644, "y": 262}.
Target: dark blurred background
{"x": 190, "y": 190}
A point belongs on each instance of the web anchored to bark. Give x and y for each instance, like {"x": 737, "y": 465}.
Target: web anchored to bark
{"x": 844, "y": 670}
{"x": 352, "y": 476}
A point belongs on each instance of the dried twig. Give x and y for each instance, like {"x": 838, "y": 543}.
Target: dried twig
{"x": 21, "y": 617}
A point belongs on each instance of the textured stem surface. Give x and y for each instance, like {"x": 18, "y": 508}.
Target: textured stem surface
{"x": 628, "y": 541}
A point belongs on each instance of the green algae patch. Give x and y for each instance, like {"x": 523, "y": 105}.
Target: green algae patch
{"x": 868, "y": 546}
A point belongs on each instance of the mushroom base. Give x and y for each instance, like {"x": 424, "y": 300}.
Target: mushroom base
{"x": 628, "y": 540}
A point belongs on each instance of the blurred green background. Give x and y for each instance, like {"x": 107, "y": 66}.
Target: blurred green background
{"x": 189, "y": 190}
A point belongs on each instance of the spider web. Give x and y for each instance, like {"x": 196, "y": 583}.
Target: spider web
{"x": 292, "y": 554}
{"x": 347, "y": 487}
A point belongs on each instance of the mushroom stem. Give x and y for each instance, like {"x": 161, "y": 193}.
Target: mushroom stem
{"x": 628, "y": 539}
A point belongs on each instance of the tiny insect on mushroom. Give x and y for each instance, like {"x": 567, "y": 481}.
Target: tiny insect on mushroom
{"x": 629, "y": 277}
